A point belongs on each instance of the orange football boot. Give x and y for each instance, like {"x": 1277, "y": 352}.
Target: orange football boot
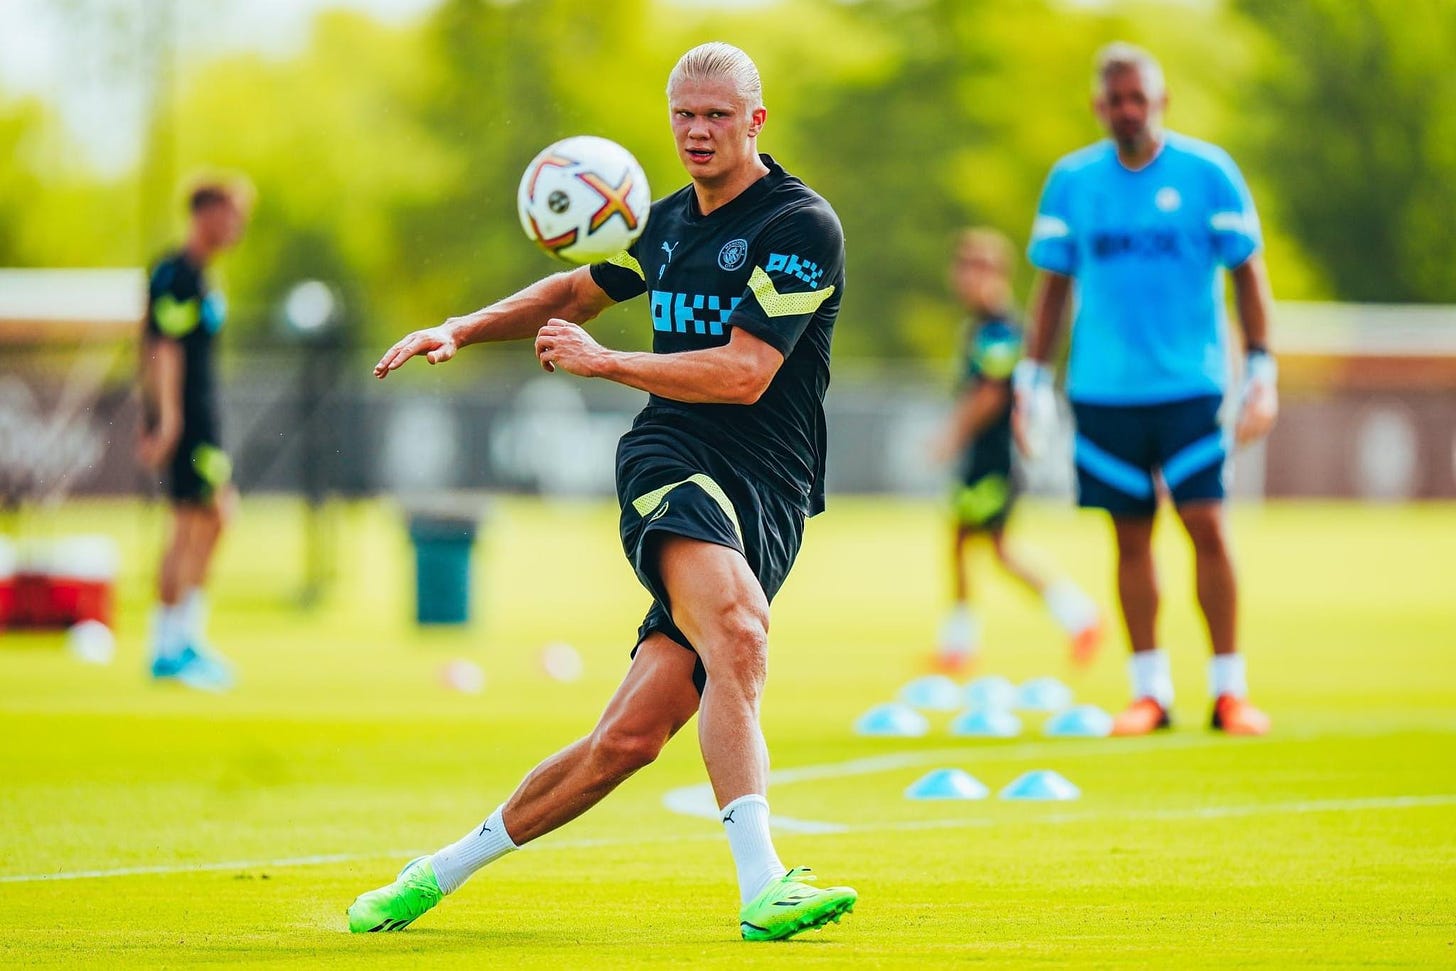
{"x": 1086, "y": 642}
{"x": 952, "y": 663}
{"x": 1141, "y": 717}
{"x": 1236, "y": 716}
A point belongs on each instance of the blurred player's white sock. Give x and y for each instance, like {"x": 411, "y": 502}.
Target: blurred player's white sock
{"x": 488, "y": 842}
{"x": 1069, "y": 606}
{"x": 1226, "y": 676}
{"x": 745, "y": 820}
{"x": 960, "y": 632}
{"x": 193, "y": 609}
{"x": 169, "y": 631}
{"x": 1151, "y": 676}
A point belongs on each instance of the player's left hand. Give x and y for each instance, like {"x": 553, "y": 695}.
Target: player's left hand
{"x": 562, "y": 345}
{"x": 1259, "y": 403}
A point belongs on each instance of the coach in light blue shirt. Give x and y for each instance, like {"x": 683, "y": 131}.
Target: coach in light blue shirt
{"x": 1140, "y": 228}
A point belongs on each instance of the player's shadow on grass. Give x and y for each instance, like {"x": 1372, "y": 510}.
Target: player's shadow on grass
{"x": 626, "y": 943}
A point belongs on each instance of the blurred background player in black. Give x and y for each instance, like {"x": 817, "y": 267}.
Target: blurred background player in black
{"x": 181, "y": 433}
{"x": 978, "y": 439}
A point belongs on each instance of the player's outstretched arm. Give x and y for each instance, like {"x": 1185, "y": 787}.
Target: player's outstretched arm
{"x": 737, "y": 373}
{"x": 975, "y": 411}
{"x": 573, "y": 295}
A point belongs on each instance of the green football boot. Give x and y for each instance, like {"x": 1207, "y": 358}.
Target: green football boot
{"x": 788, "y": 906}
{"x": 395, "y": 906}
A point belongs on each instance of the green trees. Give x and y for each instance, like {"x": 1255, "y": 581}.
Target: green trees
{"x": 386, "y": 156}
{"x": 1354, "y": 113}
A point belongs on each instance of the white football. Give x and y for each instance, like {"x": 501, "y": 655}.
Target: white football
{"x": 583, "y": 199}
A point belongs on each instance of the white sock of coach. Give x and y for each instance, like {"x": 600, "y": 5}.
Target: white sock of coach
{"x": 1226, "y": 676}
{"x": 455, "y": 864}
{"x": 1151, "y": 676}
{"x": 745, "y": 820}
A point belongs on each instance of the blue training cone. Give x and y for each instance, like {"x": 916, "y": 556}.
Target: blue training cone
{"x": 892, "y": 721}
{"x": 1043, "y": 694}
{"x": 1081, "y": 721}
{"x": 934, "y": 692}
{"x": 991, "y": 691}
{"x": 1041, "y": 784}
{"x": 986, "y": 723}
{"x": 947, "y": 784}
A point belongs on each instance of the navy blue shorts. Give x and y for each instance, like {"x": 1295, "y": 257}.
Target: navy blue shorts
{"x": 1120, "y": 447}
{"x": 671, "y": 483}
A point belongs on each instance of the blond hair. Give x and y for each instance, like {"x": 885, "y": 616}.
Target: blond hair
{"x": 715, "y": 60}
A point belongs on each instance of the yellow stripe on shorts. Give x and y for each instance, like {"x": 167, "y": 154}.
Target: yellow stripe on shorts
{"x": 647, "y": 504}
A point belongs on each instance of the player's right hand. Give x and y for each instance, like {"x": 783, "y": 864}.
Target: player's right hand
{"x": 153, "y": 451}
{"x": 437, "y": 344}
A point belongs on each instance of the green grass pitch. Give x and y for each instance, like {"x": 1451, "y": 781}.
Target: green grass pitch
{"x": 238, "y": 828}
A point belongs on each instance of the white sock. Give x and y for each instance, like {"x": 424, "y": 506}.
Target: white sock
{"x": 1151, "y": 677}
{"x": 745, "y": 820}
{"x": 486, "y": 843}
{"x": 960, "y": 632}
{"x": 1226, "y": 676}
{"x": 1069, "y": 606}
{"x": 193, "y": 609}
{"x": 169, "y": 631}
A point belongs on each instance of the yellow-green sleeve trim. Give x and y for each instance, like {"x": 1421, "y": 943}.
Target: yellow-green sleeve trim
{"x": 627, "y": 261}
{"x": 777, "y": 304}
{"x": 646, "y": 505}
{"x": 176, "y": 318}
{"x": 999, "y": 359}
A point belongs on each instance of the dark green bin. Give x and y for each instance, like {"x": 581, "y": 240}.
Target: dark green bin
{"x": 443, "y": 544}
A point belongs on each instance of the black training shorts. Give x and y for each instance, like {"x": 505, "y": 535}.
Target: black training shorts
{"x": 670, "y": 482}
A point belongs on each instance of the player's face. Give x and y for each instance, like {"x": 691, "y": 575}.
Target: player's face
{"x": 1129, "y": 111}
{"x": 979, "y": 280}
{"x": 713, "y": 129}
{"x": 222, "y": 223}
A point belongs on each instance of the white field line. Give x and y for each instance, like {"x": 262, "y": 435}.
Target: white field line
{"x": 1371, "y": 804}
{"x": 697, "y": 800}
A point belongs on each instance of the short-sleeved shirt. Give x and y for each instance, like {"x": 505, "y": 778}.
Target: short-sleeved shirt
{"x": 1145, "y": 249}
{"x": 990, "y": 352}
{"x": 770, "y": 262}
{"x": 182, "y": 307}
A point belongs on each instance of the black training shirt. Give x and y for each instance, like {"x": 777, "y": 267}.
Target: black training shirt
{"x": 771, "y": 261}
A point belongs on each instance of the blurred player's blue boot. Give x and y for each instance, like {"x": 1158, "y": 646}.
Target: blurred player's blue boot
{"x": 201, "y": 670}
{"x": 394, "y": 906}
{"x": 788, "y": 905}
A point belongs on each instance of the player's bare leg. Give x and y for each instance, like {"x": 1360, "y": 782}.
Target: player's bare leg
{"x": 179, "y": 652}
{"x": 1069, "y": 606}
{"x": 1217, "y": 586}
{"x": 720, "y": 607}
{"x": 960, "y": 631}
{"x": 1218, "y": 598}
{"x": 654, "y": 701}
{"x": 1137, "y": 589}
{"x": 718, "y": 604}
